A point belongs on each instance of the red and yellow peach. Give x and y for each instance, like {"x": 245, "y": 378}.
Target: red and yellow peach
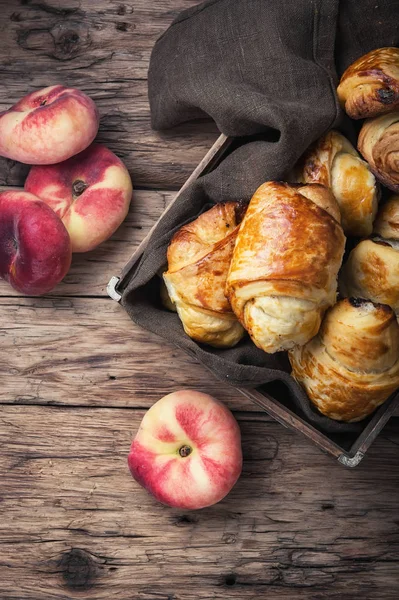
{"x": 187, "y": 452}
{"x": 90, "y": 192}
{"x": 35, "y": 249}
{"x": 48, "y": 126}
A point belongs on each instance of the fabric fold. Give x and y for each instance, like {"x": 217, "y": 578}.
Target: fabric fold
{"x": 263, "y": 69}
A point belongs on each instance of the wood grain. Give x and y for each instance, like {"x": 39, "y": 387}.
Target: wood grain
{"x": 91, "y": 271}
{"x": 76, "y": 376}
{"x": 80, "y": 351}
{"x": 87, "y": 352}
{"x": 74, "y": 524}
{"x": 103, "y": 48}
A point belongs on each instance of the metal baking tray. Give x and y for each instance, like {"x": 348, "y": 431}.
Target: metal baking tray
{"x": 348, "y": 449}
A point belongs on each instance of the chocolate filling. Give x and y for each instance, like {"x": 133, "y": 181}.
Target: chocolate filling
{"x": 357, "y": 302}
{"x": 386, "y": 95}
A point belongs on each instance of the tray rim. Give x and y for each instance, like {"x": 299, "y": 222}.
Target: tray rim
{"x": 268, "y": 403}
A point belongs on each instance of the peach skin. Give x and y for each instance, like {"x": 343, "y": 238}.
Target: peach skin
{"x": 48, "y": 126}
{"x": 187, "y": 452}
{"x": 90, "y": 192}
{"x": 35, "y": 249}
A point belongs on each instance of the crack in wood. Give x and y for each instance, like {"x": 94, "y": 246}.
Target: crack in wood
{"x": 52, "y": 10}
{"x": 99, "y": 535}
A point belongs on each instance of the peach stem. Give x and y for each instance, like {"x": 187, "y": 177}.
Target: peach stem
{"x": 78, "y": 187}
{"x": 185, "y": 451}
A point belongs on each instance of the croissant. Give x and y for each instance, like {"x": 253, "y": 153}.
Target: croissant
{"x": 332, "y": 161}
{"x": 386, "y": 224}
{"x": 198, "y": 261}
{"x": 283, "y": 274}
{"x": 379, "y": 144}
{"x": 165, "y": 298}
{"x": 370, "y": 86}
{"x": 352, "y": 365}
{"x": 372, "y": 269}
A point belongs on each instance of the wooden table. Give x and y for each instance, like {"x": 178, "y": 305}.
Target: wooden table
{"x": 77, "y": 377}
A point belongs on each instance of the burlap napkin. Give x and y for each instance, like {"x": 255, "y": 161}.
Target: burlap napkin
{"x": 257, "y": 67}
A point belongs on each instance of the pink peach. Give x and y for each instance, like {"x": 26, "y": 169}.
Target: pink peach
{"x": 187, "y": 452}
{"x": 35, "y": 249}
{"x": 48, "y": 126}
{"x": 90, "y": 192}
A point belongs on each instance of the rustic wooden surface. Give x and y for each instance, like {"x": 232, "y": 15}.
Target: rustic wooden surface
{"x": 77, "y": 376}
{"x": 103, "y": 48}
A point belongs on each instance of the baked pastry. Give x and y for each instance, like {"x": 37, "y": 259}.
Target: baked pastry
{"x": 386, "y": 224}
{"x": 333, "y": 161}
{"x": 370, "y": 86}
{"x": 352, "y": 365}
{"x": 198, "y": 261}
{"x": 283, "y": 274}
{"x": 379, "y": 144}
{"x": 165, "y": 298}
{"x": 372, "y": 269}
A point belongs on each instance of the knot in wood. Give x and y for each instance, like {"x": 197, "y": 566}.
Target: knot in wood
{"x": 78, "y": 569}
{"x": 230, "y": 579}
{"x": 70, "y": 39}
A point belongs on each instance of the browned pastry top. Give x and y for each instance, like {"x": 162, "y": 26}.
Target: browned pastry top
{"x": 361, "y": 336}
{"x": 295, "y": 242}
{"x": 370, "y": 86}
{"x": 379, "y": 144}
{"x": 352, "y": 365}
{"x": 333, "y": 161}
{"x": 283, "y": 274}
{"x": 199, "y": 256}
{"x": 196, "y": 239}
{"x": 372, "y": 271}
{"x": 386, "y": 224}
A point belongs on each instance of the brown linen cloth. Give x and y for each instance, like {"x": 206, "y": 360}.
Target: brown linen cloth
{"x": 257, "y": 67}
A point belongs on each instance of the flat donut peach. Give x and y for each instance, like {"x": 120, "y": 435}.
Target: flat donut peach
{"x": 35, "y": 249}
{"x": 48, "y": 126}
{"x": 90, "y": 192}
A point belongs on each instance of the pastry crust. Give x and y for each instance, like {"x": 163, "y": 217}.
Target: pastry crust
{"x": 372, "y": 269}
{"x": 372, "y": 272}
{"x": 379, "y": 144}
{"x": 165, "y": 298}
{"x": 283, "y": 274}
{"x": 386, "y": 224}
{"x": 352, "y": 365}
{"x": 370, "y": 86}
{"x": 333, "y": 161}
{"x": 199, "y": 256}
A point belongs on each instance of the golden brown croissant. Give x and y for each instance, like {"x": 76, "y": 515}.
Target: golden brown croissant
{"x": 165, "y": 298}
{"x": 372, "y": 269}
{"x": 352, "y": 365}
{"x": 199, "y": 256}
{"x": 379, "y": 144}
{"x": 332, "y": 161}
{"x": 283, "y": 274}
{"x": 386, "y": 224}
{"x": 370, "y": 86}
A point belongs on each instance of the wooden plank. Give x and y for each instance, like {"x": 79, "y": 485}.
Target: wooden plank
{"x": 86, "y": 351}
{"x": 80, "y": 351}
{"x": 102, "y": 48}
{"x": 74, "y": 524}
{"x": 91, "y": 271}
